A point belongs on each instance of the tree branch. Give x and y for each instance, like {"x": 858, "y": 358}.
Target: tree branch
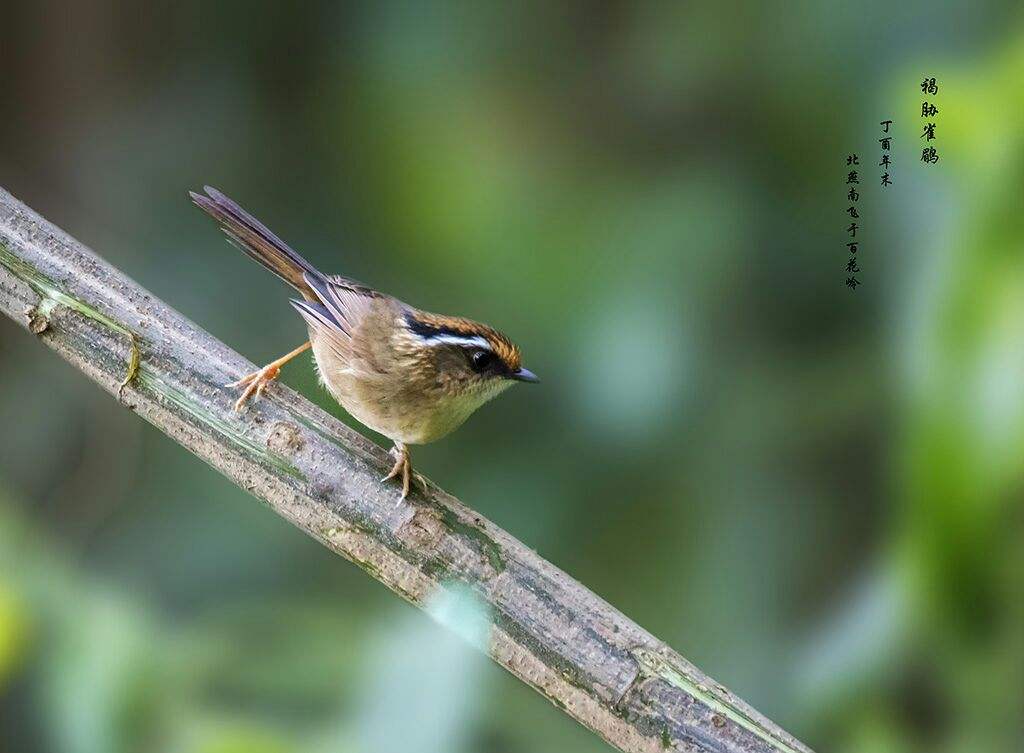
{"x": 548, "y": 630}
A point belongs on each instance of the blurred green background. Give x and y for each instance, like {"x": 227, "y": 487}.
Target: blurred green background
{"x": 813, "y": 493}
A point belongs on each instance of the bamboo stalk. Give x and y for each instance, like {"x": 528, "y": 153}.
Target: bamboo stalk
{"x": 548, "y": 630}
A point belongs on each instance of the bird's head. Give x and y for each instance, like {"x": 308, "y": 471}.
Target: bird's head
{"x": 466, "y": 359}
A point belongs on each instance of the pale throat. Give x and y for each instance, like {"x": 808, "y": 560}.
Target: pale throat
{"x": 454, "y": 408}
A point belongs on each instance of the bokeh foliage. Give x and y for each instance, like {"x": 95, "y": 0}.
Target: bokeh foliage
{"x": 813, "y": 493}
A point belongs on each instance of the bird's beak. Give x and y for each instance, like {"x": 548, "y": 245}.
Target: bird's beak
{"x": 525, "y": 375}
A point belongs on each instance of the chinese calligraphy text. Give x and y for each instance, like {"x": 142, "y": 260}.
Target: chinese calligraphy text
{"x": 886, "y": 163}
{"x": 853, "y": 196}
{"x": 928, "y": 111}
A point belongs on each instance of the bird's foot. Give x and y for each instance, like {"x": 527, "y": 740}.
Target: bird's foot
{"x": 255, "y": 383}
{"x": 403, "y": 468}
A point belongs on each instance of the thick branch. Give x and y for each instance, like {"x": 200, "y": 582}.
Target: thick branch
{"x": 548, "y": 630}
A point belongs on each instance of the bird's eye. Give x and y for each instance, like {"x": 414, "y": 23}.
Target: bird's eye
{"x": 481, "y": 359}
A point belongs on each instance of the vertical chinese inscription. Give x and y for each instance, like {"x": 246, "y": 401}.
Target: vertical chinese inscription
{"x": 853, "y": 196}
{"x": 886, "y": 163}
{"x": 928, "y": 111}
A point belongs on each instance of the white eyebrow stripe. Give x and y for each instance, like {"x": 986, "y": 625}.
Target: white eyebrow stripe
{"x": 469, "y": 342}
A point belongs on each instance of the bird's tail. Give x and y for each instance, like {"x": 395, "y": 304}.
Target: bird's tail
{"x": 256, "y": 240}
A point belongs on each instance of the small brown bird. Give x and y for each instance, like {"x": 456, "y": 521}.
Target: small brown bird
{"x": 407, "y": 374}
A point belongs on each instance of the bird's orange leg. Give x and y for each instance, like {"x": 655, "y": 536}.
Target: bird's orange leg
{"x": 257, "y": 381}
{"x": 403, "y": 468}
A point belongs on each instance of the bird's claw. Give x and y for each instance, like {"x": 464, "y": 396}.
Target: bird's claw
{"x": 403, "y": 468}
{"x": 254, "y": 384}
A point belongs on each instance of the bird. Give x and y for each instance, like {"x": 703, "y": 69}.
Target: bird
{"x": 407, "y": 374}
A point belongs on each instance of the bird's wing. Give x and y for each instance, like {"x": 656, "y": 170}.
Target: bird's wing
{"x": 341, "y": 315}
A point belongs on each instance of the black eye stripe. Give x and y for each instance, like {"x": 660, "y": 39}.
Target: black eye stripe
{"x": 430, "y": 331}
{"x": 425, "y": 330}
{"x": 481, "y": 338}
